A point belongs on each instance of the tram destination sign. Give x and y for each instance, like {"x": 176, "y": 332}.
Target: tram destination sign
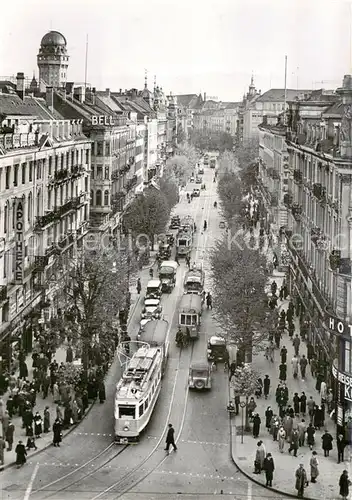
{"x": 344, "y": 379}
{"x": 19, "y": 241}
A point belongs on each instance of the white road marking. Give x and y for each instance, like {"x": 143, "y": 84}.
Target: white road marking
{"x": 31, "y": 482}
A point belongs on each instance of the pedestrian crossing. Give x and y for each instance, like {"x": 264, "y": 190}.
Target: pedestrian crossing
{"x": 194, "y": 442}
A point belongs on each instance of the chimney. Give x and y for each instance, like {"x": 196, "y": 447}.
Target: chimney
{"x": 79, "y": 94}
{"x": 49, "y": 97}
{"x": 93, "y": 95}
{"x": 108, "y": 92}
{"x": 20, "y": 85}
{"x": 134, "y": 93}
{"x": 205, "y": 96}
{"x": 120, "y": 92}
{"x": 69, "y": 88}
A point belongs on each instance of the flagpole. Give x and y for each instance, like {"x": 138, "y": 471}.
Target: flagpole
{"x": 86, "y": 65}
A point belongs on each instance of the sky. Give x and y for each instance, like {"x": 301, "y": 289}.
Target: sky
{"x": 191, "y": 46}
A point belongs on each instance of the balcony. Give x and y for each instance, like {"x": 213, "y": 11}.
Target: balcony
{"x": 335, "y": 259}
{"x": 82, "y": 229}
{"x": 315, "y": 234}
{"x": 288, "y": 198}
{"x": 45, "y": 220}
{"x": 296, "y": 211}
{"x": 65, "y": 241}
{"x": 131, "y": 183}
{"x": 297, "y": 176}
{"x": 77, "y": 171}
{"x": 64, "y": 209}
{"x": 78, "y": 201}
{"x": 3, "y": 293}
{"x": 14, "y": 141}
{"x": 61, "y": 175}
{"x": 319, "y": 192}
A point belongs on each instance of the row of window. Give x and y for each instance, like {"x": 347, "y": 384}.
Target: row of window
{"x": 99, "y": 198}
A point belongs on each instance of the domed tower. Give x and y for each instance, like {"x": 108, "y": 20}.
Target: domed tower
{"x": 53, "y": 59}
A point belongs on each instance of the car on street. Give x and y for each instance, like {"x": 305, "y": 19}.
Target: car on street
{"x": 191, "y": 179}
{"x": 196, "y": 192}
{"x": 201, "y": 170}
{"x": 199, "y": 180}
{"x": 152, "y": 309}
{"x": 175, "y": 222}
{"x": 222, "y": 224}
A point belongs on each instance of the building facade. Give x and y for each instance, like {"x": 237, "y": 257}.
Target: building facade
{"x": 44, "y": 206}
{"x": 187, "y": 106}
{"x": 53, "y": 59}
{"x": 217, "y": 117}
{"x": 318, "y": 232}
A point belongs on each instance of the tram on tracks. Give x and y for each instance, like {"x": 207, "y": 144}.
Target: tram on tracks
{"x": 137, "y": 393}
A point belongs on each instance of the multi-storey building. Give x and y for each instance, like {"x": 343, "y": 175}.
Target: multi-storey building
{"x": 44, "y": 207}
{"x": 217, "y": 117}
{"x": 53, "y": 59}
{"x": 319, "y": 231}
{"x": 187, "y": 104}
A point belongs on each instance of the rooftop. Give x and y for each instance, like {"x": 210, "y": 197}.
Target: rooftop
{"x": 274, "y": 95}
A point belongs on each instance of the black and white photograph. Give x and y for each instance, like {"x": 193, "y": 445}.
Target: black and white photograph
{"x": 175, "y": 249}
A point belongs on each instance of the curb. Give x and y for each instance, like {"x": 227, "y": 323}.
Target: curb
{"x": 249, "y": 477}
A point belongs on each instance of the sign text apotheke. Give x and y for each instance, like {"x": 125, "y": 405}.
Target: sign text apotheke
{"x": 19, "y": 241}
{"x": 108, "y": 121}
{"x": 339, "y": 327}
{"x": 346, "y": 380}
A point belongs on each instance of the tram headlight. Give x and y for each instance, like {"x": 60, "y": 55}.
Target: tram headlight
{"x": 126, "y": 428}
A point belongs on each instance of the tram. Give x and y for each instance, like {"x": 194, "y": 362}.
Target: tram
{"x": 137, "y": 393}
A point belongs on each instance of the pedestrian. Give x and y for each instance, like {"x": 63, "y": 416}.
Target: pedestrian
{"x": 291, "y": 329}
{"x": 296, "y": 401}
{"x": 273, "y": 287}
{"x": 310, "y": 435}
{"x": 281, "y": 293}
{"x": 256, "y": 425}
{"x": 102, "y": 394}
{"x": 283, "y": 372}
{"x": 271, "y": 352}
{"x": 251, "y": 407}
{"x": 303, "y": 400}
{"x": 302, "y": 428}
{"x": 23, "y": 370}
{"x": 296, "y": 343}
{"x": 209, "y": 301}
{"x": 294, "y": 442}
{"x": 311, "y": 407}
{"x": 139, "y": 286}
{"x": 57, "y": 431}
{"x": 327, "y": 440}
{"x": 38, "y": 425}
{"x": 2, "y": 450}
{"x": 5, "y": 422}
{"x": 268, "y": 416}
{"x": 314, "y": 467}
{"x": 59, "y": 415}
{"x": 9, "y": 435}
{"x": 330, "y": 400}
{"x": 344, "y": 484}
{"x": 313, "y": 366}
{"x": 303, "y": 365}
{"x": 319, "y": 417}
{"x": 170, "y": 439}
{"x": 283, "y": 354}
{"x": 56, "y": 393}
{"x": 341, "y": 444}
{"x": 310, "y": 352}
{"x": 269, "y": 468}
{"x": 259, "y": 458}
{"x": 266, "y": 385}
{"x": 301, "y": 480}
{"x": 31, "y": 443}
{"x": 277, "y": 337}
{"x": 21, "y": 454}
{"x": 281, "y": 435}
{"x": 46, "y": 420}
{"x": 288, "y": 426}
{"x": 323, "y": 392}
{"x": 294, "y": 363}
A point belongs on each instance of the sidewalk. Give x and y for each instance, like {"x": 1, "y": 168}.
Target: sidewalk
{"x": 285, "y": 465}
{"x": 46, "y": 439}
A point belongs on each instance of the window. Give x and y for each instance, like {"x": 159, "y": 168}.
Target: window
{"x": 107, "y": 172}
{"x": 13, "y": 215}
{"x": 106, "y": 198}
{"x": 141, "y": 409}
{"x": 91, "y": 197}
{"x": 127, "y": 411}
{"x": 146, "y": 404}
{"x": 6, "y": 218}
{"x": 30, "y": 207}
{"x": 50, "y": 165}
{"x": 100, "y": 148}
{"x": 39, "y": 170}
{"x": 107, "y": 148}
{"x": 8, "y": 173}
{"x": 15, "y": 175}
{"x": 30, "y": 171}
{"x": 98, "y": 198}
{"x": 99, "y": 172}
{"x": 23, "y": 173}
{"x": 347, "y": 357}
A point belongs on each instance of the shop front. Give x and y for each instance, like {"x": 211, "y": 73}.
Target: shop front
{"x": 311, "y": 303}
{"x": 343, "y": 407}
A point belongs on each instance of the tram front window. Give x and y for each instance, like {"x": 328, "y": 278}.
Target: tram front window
{"x": 127, "y": 411}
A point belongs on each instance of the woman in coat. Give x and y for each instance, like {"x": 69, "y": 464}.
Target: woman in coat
{"x": 46, "y": 419}
{"x": 251, "y": 407}
{"x": 327, "y": 440}
{"x": 314, "y": 471}
{"x": 23, "y": 370}
{"x": 268, "y": 416}
{"x": 288, "y": 426}
{"x": 256, "y": 425}
{"x": 59, "y": 415}
{"x": 20, "y": 454}
{"x": 269, "y": 468}
{"x": 296, "y": 401}
{"x": 310, "y": 436}
{"x": 281, "y": 438}
{"x": 259, "y": 458}
{"x": 344, "y": 484}
{"x": 38, "y": 425}
{"x": 283, "y": 372}
{"x": 56, "y": 393}
{"x": 57, "y": 438}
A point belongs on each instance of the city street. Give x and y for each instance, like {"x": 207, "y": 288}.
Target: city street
{"x": 90, "y": 466}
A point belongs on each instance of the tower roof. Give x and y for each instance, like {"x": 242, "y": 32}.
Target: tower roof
{"x": 53, "y": 38}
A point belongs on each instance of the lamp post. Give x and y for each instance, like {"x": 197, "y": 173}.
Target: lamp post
{"x": 243, "y": 405}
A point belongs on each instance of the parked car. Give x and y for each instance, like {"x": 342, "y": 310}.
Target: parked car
{"x": 199, "y": 180}
{"x": 152, "y": 309}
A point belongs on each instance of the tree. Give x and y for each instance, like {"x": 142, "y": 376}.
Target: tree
{"x": 228, "y": 163}
{"x": 181, "y": 136}
{"x": 245, "y": 382}
{"x": 189, "y": 152}
{"x": 247, "y": 152}
{"x": 169, "y": 187}
{"x": 97, "y": 286}
{"x": 230, "y": 193}
{"x": 209, "y": 140}
{"x": 239, "y": 277}
{"x": 148, "y": 214}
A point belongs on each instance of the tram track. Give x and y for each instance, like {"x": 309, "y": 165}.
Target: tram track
{"x": 129, "y": 478}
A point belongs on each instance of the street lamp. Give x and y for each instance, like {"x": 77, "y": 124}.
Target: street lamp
{"x": 243, "y": 405}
